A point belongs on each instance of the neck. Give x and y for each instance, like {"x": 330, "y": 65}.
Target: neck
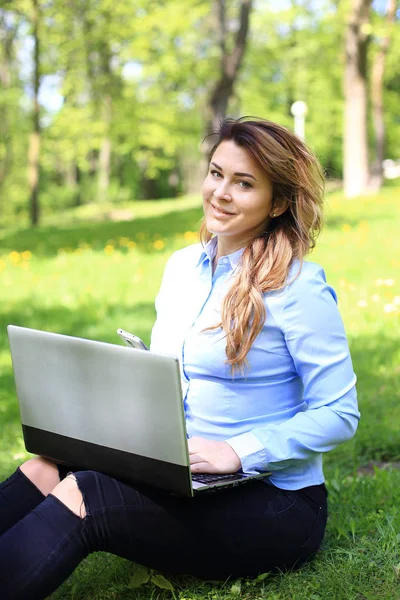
{"x": 225, "y": 247}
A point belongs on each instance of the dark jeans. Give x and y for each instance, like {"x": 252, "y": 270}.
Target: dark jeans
{"x": 237, "y": 532}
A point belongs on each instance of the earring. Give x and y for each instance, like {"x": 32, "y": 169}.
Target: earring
{"x": 274, "y": 214}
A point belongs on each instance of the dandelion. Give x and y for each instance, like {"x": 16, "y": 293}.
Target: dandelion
{"x": 14, "y": 257}
{"x": 362, "y": 303}
{"x": 131, "y": 245}
{"x": 26, "y": 255}
{"x": 346, "y": 228}
{"x": 124, "y": 241}
{"x": 159, "y": 244}
{"x": 109, "y": 249}
{"x": 389, "y": 308}
{"x": 2, "y": 265}
{"x": 190, "y": 236}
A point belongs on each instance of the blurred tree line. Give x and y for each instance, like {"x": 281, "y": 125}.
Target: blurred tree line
{"x": 109, "y": 101}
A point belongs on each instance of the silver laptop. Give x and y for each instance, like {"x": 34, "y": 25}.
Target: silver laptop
{"x": 100, "y": 406}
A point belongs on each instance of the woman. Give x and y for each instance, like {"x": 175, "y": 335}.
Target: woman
{"x": 268, "y": 386}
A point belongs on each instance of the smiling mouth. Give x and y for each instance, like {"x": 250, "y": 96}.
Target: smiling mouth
{"x": 220, "y": 210}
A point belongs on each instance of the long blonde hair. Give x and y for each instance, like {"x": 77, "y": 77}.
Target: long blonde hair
{"x": 297, "y": 180}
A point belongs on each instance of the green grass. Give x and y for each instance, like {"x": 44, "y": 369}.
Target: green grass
{"x": 88, "y": 278}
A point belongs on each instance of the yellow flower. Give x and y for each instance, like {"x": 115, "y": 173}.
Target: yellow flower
{"x": 26, "y": 255}
{"x": 109, "y": 249}
{"x": 124, "y": 241}
{"x": 190, "y": 236}
{"x": 14, "y": 257}
{"x": 159, "y": 244}
{"x": 131, "y": 245}
{"x": 2, "y": 265}
{"x": 346, "y": 228}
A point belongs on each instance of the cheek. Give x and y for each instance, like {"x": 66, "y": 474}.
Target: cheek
{"x": 257, "y": 211}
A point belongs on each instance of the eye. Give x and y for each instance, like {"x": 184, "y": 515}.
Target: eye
{"x": 245, "y": 185}
{"x": 216, "y": 174}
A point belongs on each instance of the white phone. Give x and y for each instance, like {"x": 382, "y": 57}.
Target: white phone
{"x": 132, "y": 340}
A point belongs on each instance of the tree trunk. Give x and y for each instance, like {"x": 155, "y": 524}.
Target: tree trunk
{"x": 34, "y": 141}
{"x": 230, "y": 66}
{"x": 356, "y": 171}
{"x": 378, "y": 71}
{"x": 8, "y": 37}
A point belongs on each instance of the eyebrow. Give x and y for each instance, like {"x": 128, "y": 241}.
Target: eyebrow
{"x": 238, "y": 174}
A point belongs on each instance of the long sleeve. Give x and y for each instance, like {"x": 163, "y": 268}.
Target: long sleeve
{"x": 315, "y": 338}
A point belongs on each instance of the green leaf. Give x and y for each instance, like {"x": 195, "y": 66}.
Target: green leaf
{"x": 140, "y": 576}
{"x": 161, "y": 582}
{"x": 236, "y": 588}
{"x": 262, "y": 576}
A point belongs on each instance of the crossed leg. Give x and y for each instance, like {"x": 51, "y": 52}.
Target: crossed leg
{"x": 44, "y": 474}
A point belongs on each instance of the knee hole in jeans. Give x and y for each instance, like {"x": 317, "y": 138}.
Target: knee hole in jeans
{"x": 68, "y": 492}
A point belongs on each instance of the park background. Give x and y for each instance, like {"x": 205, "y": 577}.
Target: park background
{"x": 103, "y": 107}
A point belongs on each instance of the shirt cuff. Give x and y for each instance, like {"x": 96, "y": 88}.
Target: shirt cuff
{"x": 250, "y": 450}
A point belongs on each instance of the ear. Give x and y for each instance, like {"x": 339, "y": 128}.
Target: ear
{"x": 279, "y": 209}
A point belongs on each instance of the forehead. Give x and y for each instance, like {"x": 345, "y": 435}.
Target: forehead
{"x": 230, "y": 156}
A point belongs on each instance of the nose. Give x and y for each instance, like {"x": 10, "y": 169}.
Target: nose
{"x": 222, "y": 191}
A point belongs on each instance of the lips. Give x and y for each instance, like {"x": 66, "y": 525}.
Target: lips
{"x": 221, "y": 211}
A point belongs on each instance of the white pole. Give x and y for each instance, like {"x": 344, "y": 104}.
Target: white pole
{"x": 299, "y": 110}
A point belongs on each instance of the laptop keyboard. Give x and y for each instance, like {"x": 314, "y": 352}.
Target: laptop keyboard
{"x": 208, "y": 478}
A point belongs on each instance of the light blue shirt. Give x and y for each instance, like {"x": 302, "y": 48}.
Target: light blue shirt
{"x": 297, "y": 397}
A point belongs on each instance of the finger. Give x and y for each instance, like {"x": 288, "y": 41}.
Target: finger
{"x": 201, "y": 467}
{"x": 195, "y": 458}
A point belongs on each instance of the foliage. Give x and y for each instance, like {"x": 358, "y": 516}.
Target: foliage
{"x": 88, "y": 278}
{"x": 134, "y": 78}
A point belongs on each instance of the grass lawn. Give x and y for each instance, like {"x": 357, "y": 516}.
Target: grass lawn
{"x": 89, "y": 278}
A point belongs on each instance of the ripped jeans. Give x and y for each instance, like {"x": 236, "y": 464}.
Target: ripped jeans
{"x": 236, "y": 532}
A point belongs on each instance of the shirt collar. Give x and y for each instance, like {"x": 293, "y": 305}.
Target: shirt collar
{"x": 210, "y": 250}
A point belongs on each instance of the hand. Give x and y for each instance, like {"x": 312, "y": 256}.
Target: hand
{"x": 209, "y": 456}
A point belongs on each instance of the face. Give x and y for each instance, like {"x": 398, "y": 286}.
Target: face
{"x": 237, "y": 197}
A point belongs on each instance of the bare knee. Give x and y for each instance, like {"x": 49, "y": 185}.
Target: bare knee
{"x": 42, "y": 473}
{"x": 69, "y": 494}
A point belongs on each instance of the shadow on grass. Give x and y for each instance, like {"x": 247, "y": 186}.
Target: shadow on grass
{"x": 46, "y": 241}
